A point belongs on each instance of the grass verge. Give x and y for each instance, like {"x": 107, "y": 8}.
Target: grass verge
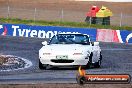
{"x": 58, "y": 23}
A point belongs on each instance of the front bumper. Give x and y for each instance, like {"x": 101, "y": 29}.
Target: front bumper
{"x": 73, "y": 60}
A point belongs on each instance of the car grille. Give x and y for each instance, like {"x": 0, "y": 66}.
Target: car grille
{"x": 62, "y": 61}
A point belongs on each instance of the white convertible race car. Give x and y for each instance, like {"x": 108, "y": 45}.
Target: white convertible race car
{"x": 69, "y": 50}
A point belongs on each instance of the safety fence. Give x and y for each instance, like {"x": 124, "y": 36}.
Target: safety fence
{"x": 104, "y": 35}
{"x": 121, "y": 19}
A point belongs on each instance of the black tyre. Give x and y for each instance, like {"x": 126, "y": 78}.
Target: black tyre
{"x": 41, "y": 66}
{"x": 98, "y": 64}
{"x": 89, "y": 64}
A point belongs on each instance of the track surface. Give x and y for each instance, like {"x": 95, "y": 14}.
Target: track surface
{"x": 117, "y": 58}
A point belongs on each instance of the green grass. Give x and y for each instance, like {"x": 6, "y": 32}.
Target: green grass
{"x": 57, "y": 23}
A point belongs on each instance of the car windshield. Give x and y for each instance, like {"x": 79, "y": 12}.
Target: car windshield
{"x": 70, "y": 39}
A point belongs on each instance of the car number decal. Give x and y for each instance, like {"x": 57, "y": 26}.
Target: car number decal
{"x": 62, "y": 57}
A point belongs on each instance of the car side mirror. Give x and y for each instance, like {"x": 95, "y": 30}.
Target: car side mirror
{"x": 44, "y": 43}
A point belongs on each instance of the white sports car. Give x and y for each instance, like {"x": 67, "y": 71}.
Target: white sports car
{"x": 69, "y": 50}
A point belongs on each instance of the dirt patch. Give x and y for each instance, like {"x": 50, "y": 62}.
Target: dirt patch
{"x": 3, "y": 60}
{"x": 124, "y": 7}
{"x": 58, "y": 10}
{"x": 67, "y": 86}
{"x": 10, "y": 63}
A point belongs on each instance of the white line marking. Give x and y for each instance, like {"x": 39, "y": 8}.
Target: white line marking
{"x": 119, "y": 36}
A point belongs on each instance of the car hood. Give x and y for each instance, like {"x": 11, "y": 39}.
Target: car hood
{"x": 66, "y": 48}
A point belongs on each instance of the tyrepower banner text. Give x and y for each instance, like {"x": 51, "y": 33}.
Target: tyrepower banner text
{"x": 42, "y": 31}
{"x": 104, "y": 35}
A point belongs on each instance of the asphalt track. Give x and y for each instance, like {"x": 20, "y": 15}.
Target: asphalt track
{"x": 117, "y": 59}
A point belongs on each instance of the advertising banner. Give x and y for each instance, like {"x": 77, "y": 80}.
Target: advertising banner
{"x": 104, "y": 35}
{"x": 42, "y": 31}
{"x": 119, "y": 36}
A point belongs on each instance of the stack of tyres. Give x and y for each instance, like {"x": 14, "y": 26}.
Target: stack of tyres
{"x": 91, "y": 20}
{"x": 99, "y": 16}
{"x": 91, "y": 15}
{"x": 103, "y": 16}
{"x": 103, "y": 20}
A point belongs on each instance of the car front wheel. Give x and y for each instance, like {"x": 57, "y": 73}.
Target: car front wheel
{"x": 98, "y": 64}
{"x": 41, "y": 66}
{"x": 89, "y": 64}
